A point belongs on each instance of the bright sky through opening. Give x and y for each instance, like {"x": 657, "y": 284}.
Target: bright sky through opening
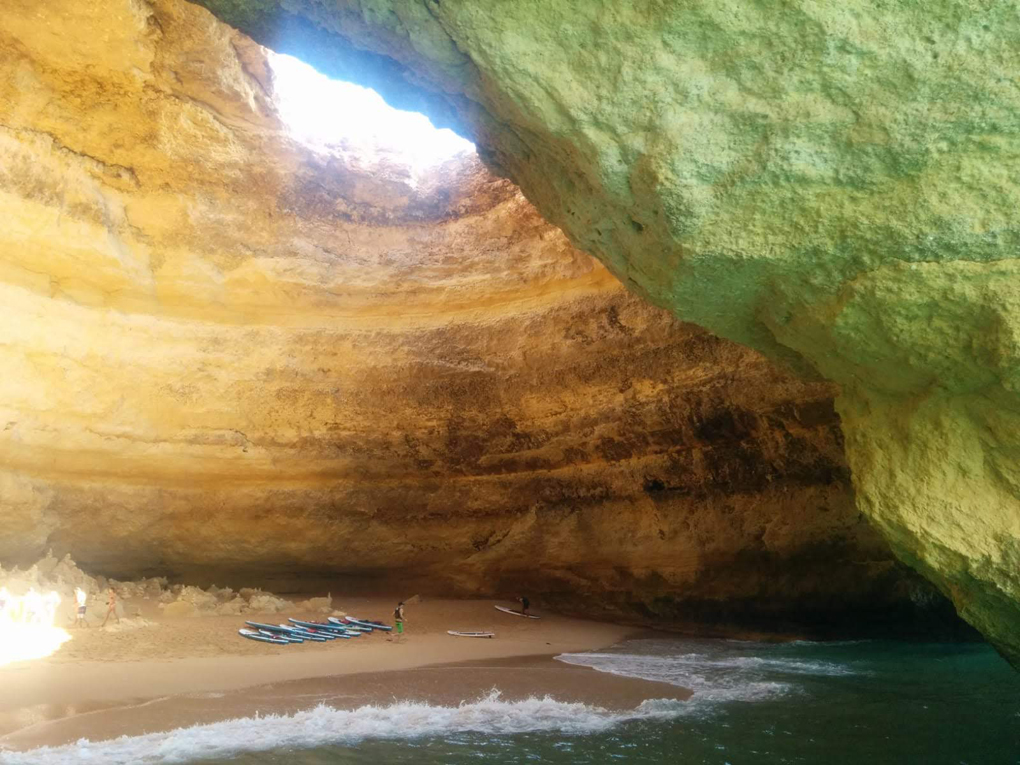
{"x": 320, "y": 112}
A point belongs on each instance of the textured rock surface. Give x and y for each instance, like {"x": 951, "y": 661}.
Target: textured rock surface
{"x": 227, "y": 357}
{"x": 828, "y": 183}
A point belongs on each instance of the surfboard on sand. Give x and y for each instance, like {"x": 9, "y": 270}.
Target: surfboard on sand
{"x": 506, "y": 610}
{"x": 455, "y": 633}
{"x": 253, "y": 635}
{"x": 281, "y": 636}
{"x": 367, "y": 623}
{"x": 349, "y": 626}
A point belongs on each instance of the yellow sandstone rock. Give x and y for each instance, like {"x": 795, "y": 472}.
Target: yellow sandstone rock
{"x": 228, "y": 357}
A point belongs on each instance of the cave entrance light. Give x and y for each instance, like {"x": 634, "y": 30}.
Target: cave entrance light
{"x": 27, "y": 629}
{"x": 328, "y": 114}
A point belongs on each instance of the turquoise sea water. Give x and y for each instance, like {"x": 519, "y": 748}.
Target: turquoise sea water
{"x": 866, "y": 702}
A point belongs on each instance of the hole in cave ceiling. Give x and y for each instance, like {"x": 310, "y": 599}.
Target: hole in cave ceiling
{"x": 336, "y": 115}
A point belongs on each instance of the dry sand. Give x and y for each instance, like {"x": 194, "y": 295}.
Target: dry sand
{"x": 176, "y": 672}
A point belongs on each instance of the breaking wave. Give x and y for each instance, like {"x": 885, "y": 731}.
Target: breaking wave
{"x": 718, "y": 673}
{"x": 714, "y": 671}
{"x": 324, "y": 725}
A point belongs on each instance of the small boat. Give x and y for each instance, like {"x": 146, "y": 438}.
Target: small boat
{"x": 253, "y": 635}
{"x": 455, "y": 633}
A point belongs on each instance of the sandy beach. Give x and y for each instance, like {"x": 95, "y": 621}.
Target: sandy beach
{"x": 184, "y": 671}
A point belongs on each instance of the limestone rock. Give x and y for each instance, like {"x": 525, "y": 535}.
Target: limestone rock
{"x": 317, "y": 605}
{"x": 180, "y": 609}
{"x": 234, "y": 358}
{"x": 200, "y": 599}
{"x": 826, "y": 182}
{"x": 266, "y": 603}
{"x": 233, "y": 607}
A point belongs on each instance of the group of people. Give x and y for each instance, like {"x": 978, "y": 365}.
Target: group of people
{"x": 36, "y": 608}
{"x": 81, "y": 599}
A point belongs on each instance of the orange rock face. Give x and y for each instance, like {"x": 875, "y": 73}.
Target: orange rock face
{"x": 229, "y": 357}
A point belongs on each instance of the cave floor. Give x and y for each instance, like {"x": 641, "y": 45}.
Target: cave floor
{"x": 175, "y": 672}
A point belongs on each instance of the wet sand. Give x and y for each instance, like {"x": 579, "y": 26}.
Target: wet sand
{"x": 180, "y": 672}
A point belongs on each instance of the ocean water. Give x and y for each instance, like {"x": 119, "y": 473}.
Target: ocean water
{"x": 868, "y": 702}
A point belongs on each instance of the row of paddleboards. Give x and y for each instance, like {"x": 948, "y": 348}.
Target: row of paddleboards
{"x": 300, "y": 631}
{"x": 334, "y": 628}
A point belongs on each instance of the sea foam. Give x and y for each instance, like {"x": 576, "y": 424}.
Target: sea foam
{"x": 325, "y": 725}
{"x": 715, "y": 672}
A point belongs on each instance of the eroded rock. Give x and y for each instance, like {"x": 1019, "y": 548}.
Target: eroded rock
{"x": 828, "y": 183}
{"x": 236, "y": 359}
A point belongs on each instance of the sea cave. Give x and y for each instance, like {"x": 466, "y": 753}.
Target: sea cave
{"x": 693, "y": 321}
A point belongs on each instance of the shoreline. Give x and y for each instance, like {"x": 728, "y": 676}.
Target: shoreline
{"x": 195, "y": 670}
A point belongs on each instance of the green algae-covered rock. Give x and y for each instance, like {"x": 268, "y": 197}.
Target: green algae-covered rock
{"x": 832, "y": 183}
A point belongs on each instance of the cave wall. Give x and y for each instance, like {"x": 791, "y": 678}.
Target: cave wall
{"x": 829, "y": 184}
{"x": 228, "y": 357}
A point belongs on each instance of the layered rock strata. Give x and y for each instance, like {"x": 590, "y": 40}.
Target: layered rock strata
{"x": 228, "y": 357}
{"x": 829, "y": 184}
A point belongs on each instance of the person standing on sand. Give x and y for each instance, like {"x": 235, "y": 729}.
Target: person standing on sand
{"x": 111, "y": 608}
{"x": 525, "y": 604}
{"x": 80, "y": 597}
{"x": 398, "y": 618}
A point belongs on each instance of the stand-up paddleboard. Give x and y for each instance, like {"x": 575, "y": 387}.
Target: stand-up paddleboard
{"x": 455, "y": 633}
{"x": 282, "y": 636}
{"x": 320, "y": 632}
{"x": 353, "y": 624}
{"x": 311, "y": 634}
{"x": 319, "y": 628}
{"x": 348, "y": 627}
{"x": 253, "y": 635}
{"x": 270, "y": 627}
{"x": 314, "y": 625}
{"x": 345, "y": 629}
{"x": 284, "y": 629}
{"x": 506, "y": 610}
{"x": 368, "y": 624}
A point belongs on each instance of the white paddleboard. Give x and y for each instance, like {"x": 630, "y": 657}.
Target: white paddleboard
{"x": 471, "y": 634}
{"x": 506, "y": 610}
{"x": 253, "y": 635}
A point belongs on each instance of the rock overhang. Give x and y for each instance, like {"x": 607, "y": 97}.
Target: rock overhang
{"x": 232, "y": 351}
{"x": 826, "y": 184}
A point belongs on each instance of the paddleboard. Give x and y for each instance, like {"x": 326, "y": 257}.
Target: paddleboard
{"x": 354, "y": 624}
{"x": 348, "y": 627}
{"x": 253, "y": 635}
{"x": 455, "y": 633}
{"x": 282, "y": 636}
{"x": 368, "y": 624}
{"x": 319, "y": 628}
{"x": 506, "y": 610}
{"x": 270, "y": 627}
{"x": 311, "y": 635}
